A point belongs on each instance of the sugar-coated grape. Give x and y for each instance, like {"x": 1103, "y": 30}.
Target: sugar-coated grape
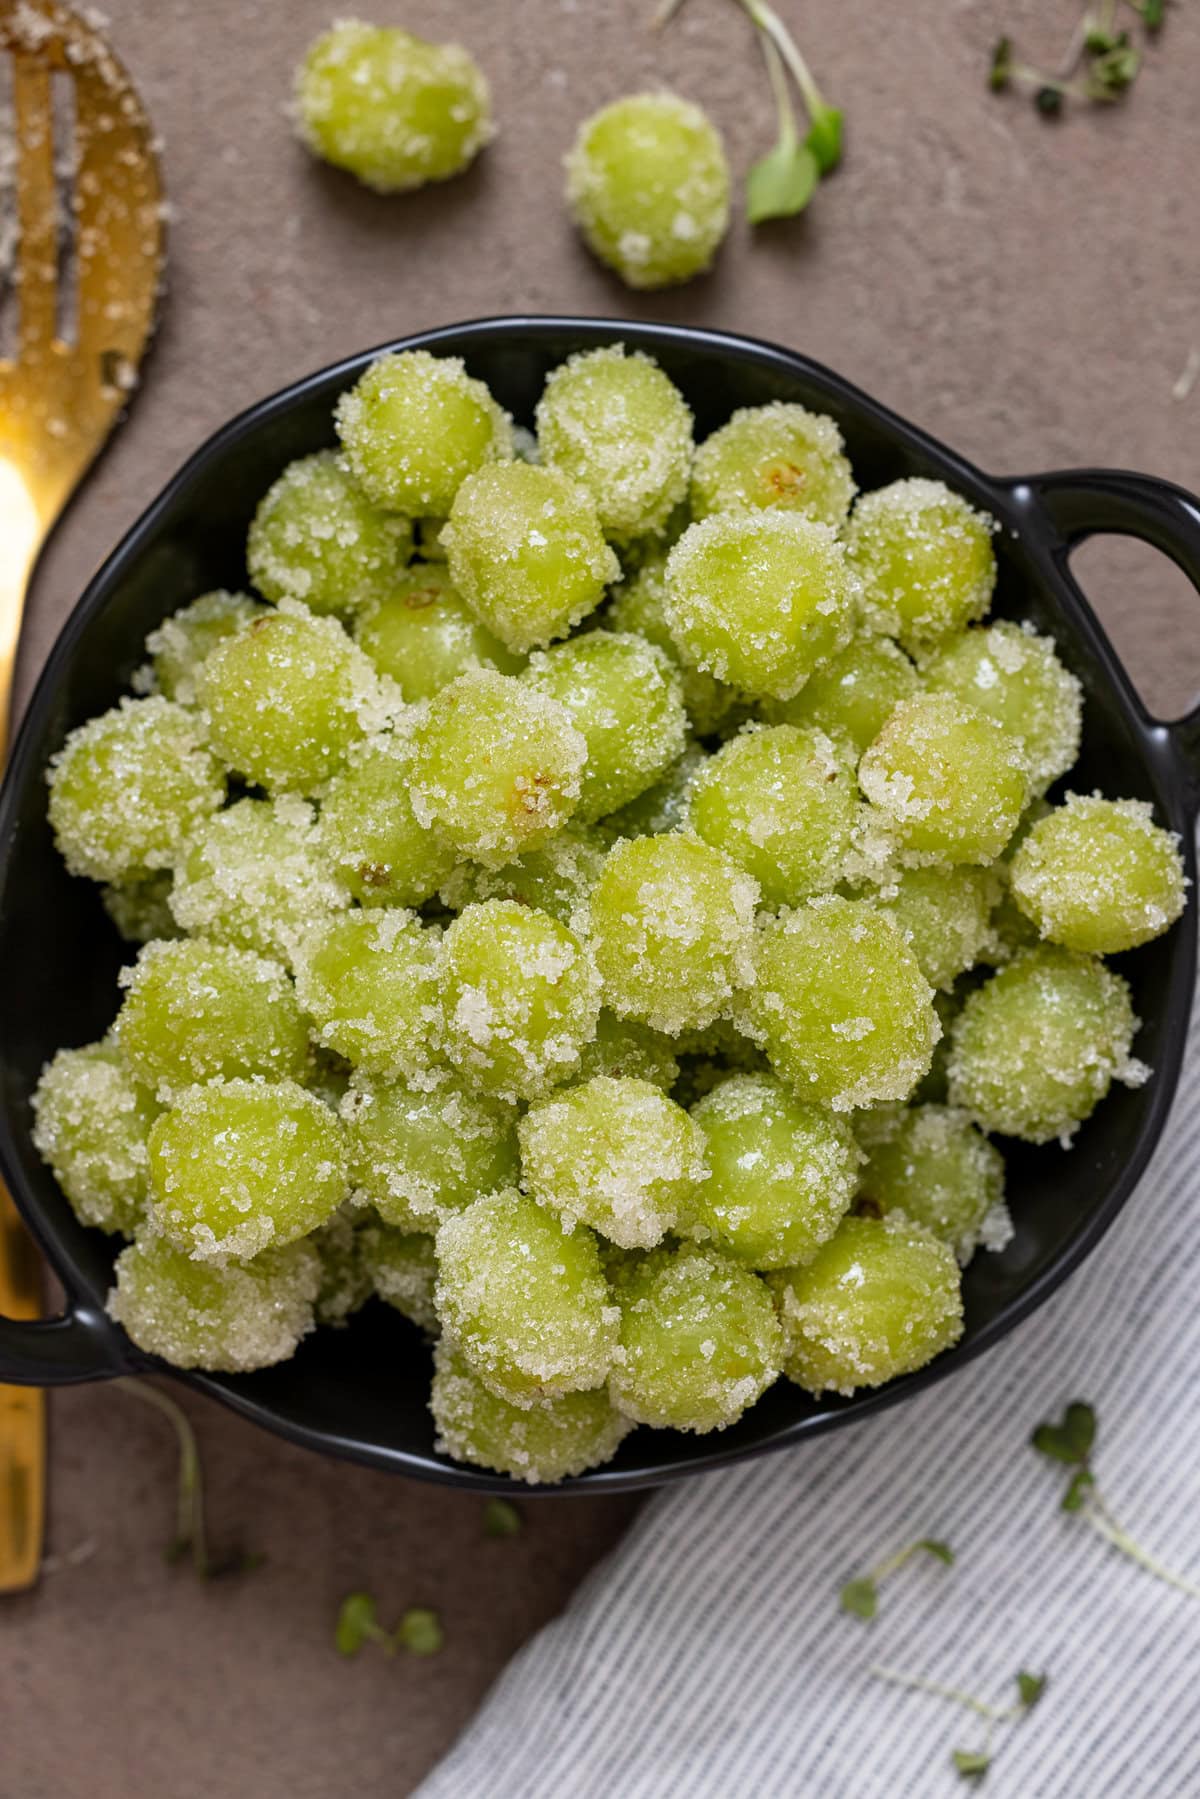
{"x": 368, "y": 979}
{"x": 402, "y": 1269}
{"x": 759, "y": 599}
{"x": 946, "y": 780}
{"x": 389, "y": 107}
{"x": 1099, "y": 875}
{"x": 1035, "y": 1050}
{"x": 195, "y": 1010}
{"x": 541, "y": 1443}
{"x": 141, "y": 910}
{"x": 226, "y": 1319}
{"x": 91, "y": 1122}
{"x": 638, "y": 606}
{"x": 520, "y": 998}
{"x": 422, "y": 633}
{"x": 614, "y": 422}
{"x": 854, "y": 694}
{"x": 778, "y": 455}
{"x": 414, "y": 426}
{"x": 627, "y": 1050}
{"x": 925, "y": 559}
{"x": 526, "y": 552}
{"x": 555, "y": 879}
{"x": 377, "y": 847}
{"x": 648, "y": 186}
{"x": 699, "y": 1339}
{"x": 317, "y": 538}
{"x": 238, "y": 1166}
{"x": 129, "y": 787}
{"x": 345, "y": 1281}
{"x": 663, "y": 807}
{"x": 181, "y": 643}
{"x": 524, "y": 1299}
{"x": 945, "y": 915}
{"x": 880, "y": 1299}
{"x": 840, "y": 1004}
{"x": 1012, "y": 674}
{"x": 497, "y": 766}
{"x": 615, "y": 1154}
{"x": 418, "y": 1153}
{"x": 672, "y": 923}
{"x": 781, "y": 1173}
{"x": 931, "y": 1163}
{"x": 783, "y": 802}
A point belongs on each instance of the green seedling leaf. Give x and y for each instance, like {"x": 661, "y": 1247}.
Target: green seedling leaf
{"x": 501, "y": 1519}
{"x": 943, "y": 1551}
{"x": 1049, "y": 101}
{"x": 824, "y": 138}
{"x": 1052, "y": 1440}
{"x": 420, "y": 1631}
{"x": 1000, "y": 71}
{"x": 1030, "y": 1687}
{"x": 1113, "y": 72}
{"x": 1153, "y": 13}
{"x": 1081, "y": 1485}
{"x": 972, "y": 1764}
{"x": 782, "y": 183}
{"x": 860, "y": 1598}
{"x": 356, "y": 1622}
{"x": 1079, "y": 1427}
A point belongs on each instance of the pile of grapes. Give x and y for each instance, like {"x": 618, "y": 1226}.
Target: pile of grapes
{"x": 598, "y": 897}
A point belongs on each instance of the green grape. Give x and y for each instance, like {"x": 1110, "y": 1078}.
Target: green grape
{"x": 256, "y": 876}
{"x": 1035, "y": 1050}
{"x": 195, "y": 1010}
{"x": 141, "y": 910}
{"x": 368, "y": 980}
{"x": 925, "y": 559}
{"x": 1099, "y": 875}
{"x": 556, "y": 879}
{"x": 415, "y": 426}
{"x": 779, "y": 455}
{"x": 519, "y": 996}
{"x": 945, "y": 916}
{"x": 1012, "y": 674}
{"x": 288, "y": 698}
{"x": 317, "y": 538}
{"x": 497, "y": 767}
{"x": 418, "y": 1153}
{"x": 129, "y": 787}
{"x": 91, "y": 1122}
{"x": 239, "y": 1166}
{"x": 648, "y": 186}
{"x": 389, "y": 107}
{"x": 542, "y": 1443}
{"x": 228, "y": 1320}
{"x": 402, "y": 1269}
{"x": 783, "y": 803}
{"x": 672, "y": 924}
{"x": 638, "y": 607}
{"x": 615, "y": 1154}
{"x": 759, "y": 599}
{"x": 840, "y": 1004}
{"x": 853, "y": 696}
{"x": 374, "y": 842}
{"x": 346, "y": 1283}
{"x": 934, "y": 1166}
{"x": 626, "y": 1050}
{"x": 611, "y": 420}
{"x": 946, "y": 780}
{"x": 781, "y": 1173}
{"x": 662, "y": 808}
{"x": 524, "y": 1299}
{"x": 421, "y": 634}
{"x": 181, "y": 643}
{"x": 699, "y": 1340}
{"x": 880, "y": 1299}
{"x": 526, "y": 552}
{"x": 622, "y": 695}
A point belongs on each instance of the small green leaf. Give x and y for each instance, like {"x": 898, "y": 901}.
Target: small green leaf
{"x": 1052, "y": 1440}
{"x": 860, "y": 1598}
{"x": 943, "y": 1551}
{"x": 420, "y": 1631}
{"x": 782, "y": 183}
{"x": 825, "y": 138}
{"x": 1153, "y": 13}
{"x": 501, "y": 1519}
{"x": 1112, "y": 73}
{"x": 1080, "y": 1486}
{"x": 972, "y": 1764}
{"x": 1097, "y": 39}
{"x": 1049, "y": 101}
{"x": 1030, "y": 1687}
{"x": 1079, "y": 1427}
{"x": 355, "y": 1623}
{"x": 1000, "y": 72}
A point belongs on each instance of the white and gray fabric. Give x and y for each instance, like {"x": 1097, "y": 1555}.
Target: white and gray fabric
{"x": 708, "y": 1655}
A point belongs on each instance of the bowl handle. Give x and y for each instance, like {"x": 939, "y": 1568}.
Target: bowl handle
{"x": 57, "y": 1352}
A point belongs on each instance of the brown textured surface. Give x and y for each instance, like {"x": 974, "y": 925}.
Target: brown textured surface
{"x": 1027, "y": 292}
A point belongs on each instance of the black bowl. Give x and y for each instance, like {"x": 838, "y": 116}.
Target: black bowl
{"x": 360, "y": 1392}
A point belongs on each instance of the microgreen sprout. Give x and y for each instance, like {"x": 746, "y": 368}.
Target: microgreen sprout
{"x": 1071, "y": 1442}
{"x": 971, "y": 1764}
{"x": 502, "y": 1519}
{"x": 860, "y": 1597}
{"x": 1110, "y": 60}
{"x": 419, "y": 1630}
{"x": 191, "y": 1534}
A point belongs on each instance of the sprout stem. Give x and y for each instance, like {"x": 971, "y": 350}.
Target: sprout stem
{"x": 785, "y": 116}
{"x": 190, "y": 1527}
{"x": 916, "y": 1683}
{"x": 773, "y": 27}
{"x": 1106, "y": 1526}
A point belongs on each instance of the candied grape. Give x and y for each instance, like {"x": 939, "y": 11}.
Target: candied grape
{"x": 1099, "y": 875}
{"x": 91, "y": 1121}
{"x": 1035, "y": 1050}
{"x": 946, "y": 780}
{"x": 638, "y": 607}
{"x": 128, "y": 787}
{"x": 141, "y": 910}
{"x": 925, "y": 559}
{"x": 414, "y": 426}
{"x": 419, "y": 1153}
{"x": 520, "y": 999}
{"x": 392, "y": 109}
{"x": 526, "y": 552}
{"x": 182, "y": 642}
{"x": 556, "y": 879}
{"x": 1013, "y": 675}
{"x": 840, "y": 1004}
{"x": 779, "y": 455}
{"x": 699, "y": 1340}
{"x": 622, "y": 695}
{"x": 237, "y": 1166}
{"x": 194, "y": 1010}
{"x": 316, "y": 537}
{"x": 402, "y": 1269}
{"x": 611, "y": 420}
{"x": 524, "y": 1298}
{"x": 932, "y": 1164}
{"x": 783, "y": 802}
{"x": 542, "y": 1443}
{"x": 627, "y": 1050}
{"x": 781, "y": 1173}
{"x": 377, "y": 847}
{"x": 853, "y": 696}
{"x": 759, "y": 599}
{"x": 368, "y": 979}
{"x": 880, "y": 1299}
{"x": 227, "y": 1320}
{"x": 497, "y": 766}
{"x": 663, "y": 807}
{"x": 945, "y": 916}
{"x": 422, "y": 633}
{"x": 648, "y": 186}
{"x": 672, "y": 923}
{"x": 346, "y": 1283}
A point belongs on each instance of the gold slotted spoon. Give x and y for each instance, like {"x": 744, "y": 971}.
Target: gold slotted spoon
{"x": 59, "y": 400}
